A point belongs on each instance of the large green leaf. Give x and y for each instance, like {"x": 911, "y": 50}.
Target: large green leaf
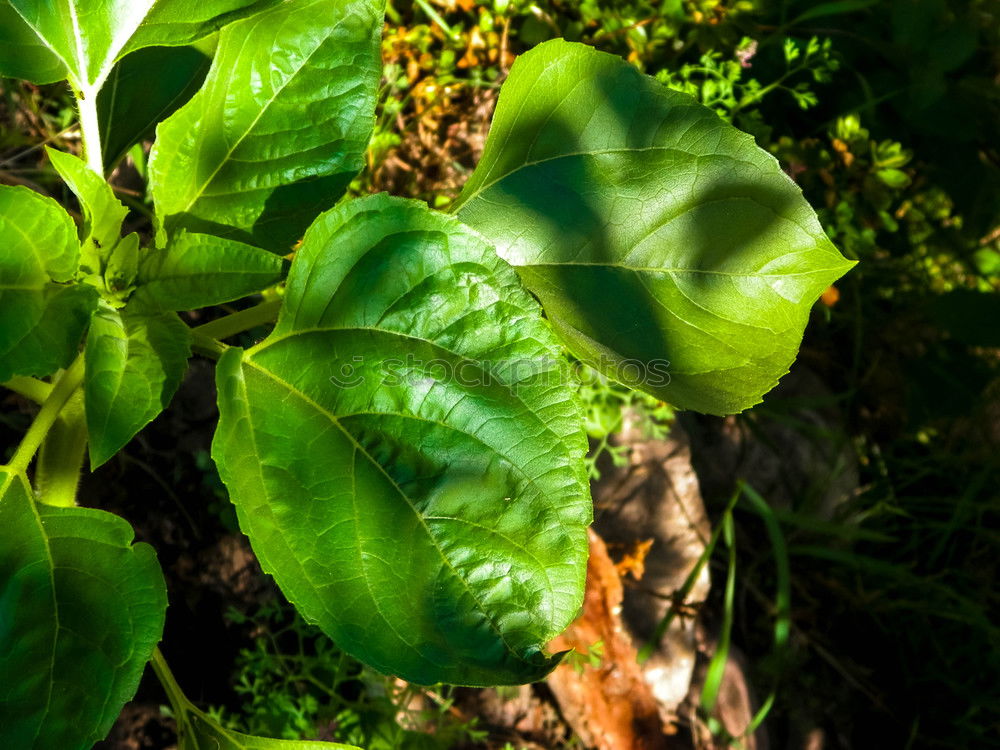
{"x": 81, "y": 609}
{"x": 134, "y": 364}
{"x": 405, "y": 454}
{"x": 86, "y": 36}
{"x": 41, "y": 319}
{"x": 144, "y": 88}
{"x": 22, "y": 54}
{"x": 279, "y": 128}
{"x": 666, "y": 248}
{"x": 198, "y": 270}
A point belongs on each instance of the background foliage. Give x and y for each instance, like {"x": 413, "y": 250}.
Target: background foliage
{"x": 887, "y": 114}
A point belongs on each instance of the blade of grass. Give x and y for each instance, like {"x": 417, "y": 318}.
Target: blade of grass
{"x": 681, "y": 595}
{"x": 717, "y": 664}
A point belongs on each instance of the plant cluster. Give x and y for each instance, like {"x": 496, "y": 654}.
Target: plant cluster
{"x": 433, "y": 525}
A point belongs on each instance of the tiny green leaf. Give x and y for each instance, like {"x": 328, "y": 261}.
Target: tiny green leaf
{"x": 198, "y": 270}
{"x": 41, "y": 318}
{"x": 279, "y": 128}
{"x": 668, "y": 250}
{"x": 134, "y": 364}
{"x": 405, "y": 453}
{"x": 81, "y": 609}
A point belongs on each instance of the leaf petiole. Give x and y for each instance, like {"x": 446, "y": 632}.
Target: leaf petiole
{"x": 61, "y": 393}
{"x": 31, "y": 388}
{"x": 238, "y": 322}
{"x": 178, "y": 702}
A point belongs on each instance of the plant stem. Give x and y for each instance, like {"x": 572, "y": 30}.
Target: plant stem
{"x": 30, "y": 388}
{"x": 238, "y": 322}
{"x": 57, "y": 473}
{"x": 206, "y": 345}
{"x": 90, "y": 129}
{"x": 61, "y": 393}
{"x": 175, "y": 695}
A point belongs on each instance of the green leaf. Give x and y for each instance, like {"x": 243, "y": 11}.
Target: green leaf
{"x": 176, "y": 22}
{"x": 668, "y": 250}
{"x": 41, "y": 319}
{"x": 134, "y": 364}
{"x": 143, "y": 89}
{"x": 894, "y": 178}
{"x": 22, "y": 54}
{"x": 279, "y": 128}
{"x": 82, "y": 609}
{"x": 103, "y": 213}
{"x": 835, "y": 8}
{"x": 110, "y": 259}
{"x": 198, "y": 270}
{"x": 86, "y": 36}
{"x": 405, "y": 453}
{"x": 201, "y": 732}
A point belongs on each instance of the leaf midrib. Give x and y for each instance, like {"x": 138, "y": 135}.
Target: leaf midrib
{"x": 222, "y": 161}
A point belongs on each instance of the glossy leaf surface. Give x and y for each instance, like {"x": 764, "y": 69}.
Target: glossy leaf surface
{"x": 278, "y": 129}
{"x": 404, "y": 452}
{"x": 82, "y": 610}
{"x": 22, "y": 54}
{"x": 84, "y": 39}
{"x": 177, "y": 22}
{"x": 86, "y": 36}
{"x": 198, "y": 270}
{"x": 143, "y": 89}
{"x": 41, "y": 319}
{"x": 666, "y": 248}
{"x": 134, "y": 364}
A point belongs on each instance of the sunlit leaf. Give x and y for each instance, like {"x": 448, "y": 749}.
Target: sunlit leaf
{"x": 198, "y": 270}
{"x": 406, "y": 454}
{"x": 41, "y": 318}
{"x": 667, "y": 249}
{"x": 279, "y": 128}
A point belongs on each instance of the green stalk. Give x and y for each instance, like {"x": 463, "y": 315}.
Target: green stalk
{"x": 178, "y": 701}
{"x": 57, "y": 473}
{"x": 31, "y": 388}
{"x": 238, "y": 322}
{"x": 206, "y": 346}
{"x": 436, "y": 18}
{"x": 60, "y": 395}
{"x": 90, "y": 129}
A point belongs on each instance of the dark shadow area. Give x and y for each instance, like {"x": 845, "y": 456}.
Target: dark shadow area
{"x": 143, "y": 89}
